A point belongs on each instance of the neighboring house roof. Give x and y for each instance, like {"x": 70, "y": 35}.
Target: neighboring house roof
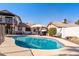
{"x": 61, "y": 25}
{"x": 72, "y": 25}
{"x": 37, "y": 25}
{"x": 51, "y": 26}
{"x": 6, "y": 12}
{"x": 58, "y": 24}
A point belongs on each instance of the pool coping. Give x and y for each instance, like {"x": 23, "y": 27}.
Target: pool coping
{"x": 66, "y": 43}
{"x": 52, "y": 52}
{"x": 39, "y": 52}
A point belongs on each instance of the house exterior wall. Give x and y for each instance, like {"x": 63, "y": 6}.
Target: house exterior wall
{"x": 71, "y": 31}
{"x": 58, "y": 29}
{"x": 23, "y": 29}
{"x": 3, "y": 19}
{"x": 16, "y": 28}
{"x": 10, "y": 21}
{"x": 13, "y": 17}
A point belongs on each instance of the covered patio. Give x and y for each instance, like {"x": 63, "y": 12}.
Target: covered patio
{"x": 39, "y": 29}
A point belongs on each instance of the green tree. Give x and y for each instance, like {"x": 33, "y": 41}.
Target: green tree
{"x": 77, "y": 22}
{"x": 65, "y": 21}
{"x": 52, "y": 31}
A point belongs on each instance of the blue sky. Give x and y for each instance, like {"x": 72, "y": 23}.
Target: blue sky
{"x": 43, "y": 13}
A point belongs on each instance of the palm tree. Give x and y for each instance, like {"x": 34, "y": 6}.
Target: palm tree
{"x": 49, "y": 23}
{"x": 65, "y": 21}
{"x": 77, "y": 22}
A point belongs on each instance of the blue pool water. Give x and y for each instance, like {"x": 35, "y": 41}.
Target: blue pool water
{"x": 37, "y": 43}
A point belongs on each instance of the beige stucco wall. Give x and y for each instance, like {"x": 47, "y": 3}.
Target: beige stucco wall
{"x": 23, "y": 29}
{"x": 16, "y": 28}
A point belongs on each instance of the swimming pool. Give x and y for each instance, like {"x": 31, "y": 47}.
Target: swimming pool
{"x": 37, "y": 42}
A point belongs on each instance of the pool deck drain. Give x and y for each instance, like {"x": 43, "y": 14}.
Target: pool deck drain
{"x": 8, "y": 48}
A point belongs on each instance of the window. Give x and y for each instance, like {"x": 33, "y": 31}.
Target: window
{"x": 8, "y": 19}
{"x": 19, "y": 28}
{"x": 15, "y": 21}
{"x": 28, "y": 29}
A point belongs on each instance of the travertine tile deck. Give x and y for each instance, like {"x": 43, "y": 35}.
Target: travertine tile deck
{"x": 70, "y": 49}
{"x": 8, "y": 48}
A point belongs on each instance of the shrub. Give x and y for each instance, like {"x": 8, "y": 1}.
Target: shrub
{"x": 52, "y": 31}
{"x": 73, "y": 39}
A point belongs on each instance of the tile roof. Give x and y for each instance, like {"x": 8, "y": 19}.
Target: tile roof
{"x": 6, "y": 12}
{"x": 60, "y": 24}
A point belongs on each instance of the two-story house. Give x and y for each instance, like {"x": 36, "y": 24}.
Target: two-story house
{"x": 13, "y": 24}
{"x": 10, "y": 20}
